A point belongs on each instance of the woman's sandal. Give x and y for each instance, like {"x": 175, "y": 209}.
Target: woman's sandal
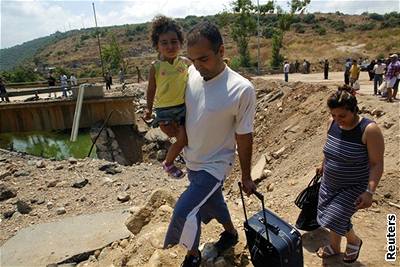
{"x": 326, "y": 252}
{"x": 173, "y": 170}
{"x": 352, "y": 256}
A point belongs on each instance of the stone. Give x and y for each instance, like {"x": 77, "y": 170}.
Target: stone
{"x": 267, "y": 173}
{"x": 80, "y": 183}
{"x": 140, "y": 218}
{"x": 268, "y": 158}
{"x": 257, "y": 170}
{"x": 110, "y": 168}
{"x": 6, "y": 193}
{"x": 72, "y": 160}
{"x": 278, "y": 153}
{"x": 124, "y": 187}
{"x": 161, "y": 154}
{"x": 124, "y": 243}
{"x": 23, "y": 207}
{"x": 270, "y": 187}
{"x": 388, "y": 125}
{"x": 97, "y": 253}
{"x": 40, "y": 164}
{"x": 5, "y": 174}
{"x": 52, "y": 183}
{"x": 40, "y": 201}
{"x": 59, "y": 167}
{"x": 50, "y": 205}
{"x": 387, "y": 195}
{"x": 21, "y": 173}
{"x": 60, "y": 211}
{"x": 107, "y": 181}
{"x": 123, "y": 197}
{"x": 8, "y": 214}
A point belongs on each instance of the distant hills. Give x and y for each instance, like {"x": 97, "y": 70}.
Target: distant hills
{"x": 312, "y": 36}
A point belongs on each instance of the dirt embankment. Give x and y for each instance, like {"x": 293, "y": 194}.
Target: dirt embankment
{"x": 290, "y": 130}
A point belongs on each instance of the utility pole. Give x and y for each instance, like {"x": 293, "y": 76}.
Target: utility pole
{"x": 258, "y": 37}
{"x": 98, "y": 41}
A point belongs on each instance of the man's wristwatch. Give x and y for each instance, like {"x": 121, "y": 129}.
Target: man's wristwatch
{"x": 370, "y": 191}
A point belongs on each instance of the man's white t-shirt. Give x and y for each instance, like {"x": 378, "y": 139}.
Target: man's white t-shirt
{"x": 215, "y": 110}
{"x": 379, "y": 68}
{"x": 286, "y": 68}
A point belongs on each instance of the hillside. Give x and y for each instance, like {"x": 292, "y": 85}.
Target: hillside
{"x": 314, "y": 37}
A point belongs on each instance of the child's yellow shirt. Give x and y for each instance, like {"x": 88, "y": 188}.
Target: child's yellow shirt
{"x": 170, "y": 82}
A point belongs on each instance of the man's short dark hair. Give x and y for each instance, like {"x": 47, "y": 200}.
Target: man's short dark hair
{"x": 207, "y": 30}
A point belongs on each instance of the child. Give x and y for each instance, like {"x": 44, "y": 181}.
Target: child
{"x": 167, "y": 84}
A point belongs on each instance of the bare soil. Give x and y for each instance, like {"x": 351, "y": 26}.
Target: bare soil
{"x": 295, "y": 123}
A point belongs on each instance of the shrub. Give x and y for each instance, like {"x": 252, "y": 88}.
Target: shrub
{"x": 338, "y": 25}
{"x": 84, "y": 37}
{"x": 320, "y": 30}
{"x": 235, "y": 63}
{"x": 376, "y": 16}
{"x": 391, "y": 22}
{"x": 298, "y": 27}
{"x": 268, "y": 32}
{"x": 309, "y": 18}
{"x": 366, "y": 27}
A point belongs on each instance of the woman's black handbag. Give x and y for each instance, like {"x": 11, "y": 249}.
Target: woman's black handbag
{"x": 307, "y": 201}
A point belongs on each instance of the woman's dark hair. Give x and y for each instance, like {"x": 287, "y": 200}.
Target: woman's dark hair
{"x": 343, "y": 98}
{"x": 207, "y": 30}
{"x": 163, "y": 24}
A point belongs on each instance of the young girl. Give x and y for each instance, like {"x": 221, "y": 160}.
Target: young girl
{"x": 166, "y": 89}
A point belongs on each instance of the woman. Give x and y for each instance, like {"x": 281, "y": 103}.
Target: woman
{"x": 352, "y": 168}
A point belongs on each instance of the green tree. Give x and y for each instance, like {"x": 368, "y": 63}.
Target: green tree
{"x": 112, "y": 55}
{"x": 243, "y": 27}
{"x": 285, "y": 19}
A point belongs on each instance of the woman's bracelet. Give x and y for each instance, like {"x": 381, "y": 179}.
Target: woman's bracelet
{"x": 370, "y": 191}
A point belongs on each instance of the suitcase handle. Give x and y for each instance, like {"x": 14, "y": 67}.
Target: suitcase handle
{"x": 261, "y": 198}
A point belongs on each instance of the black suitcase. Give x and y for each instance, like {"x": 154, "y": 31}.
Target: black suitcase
{"x": 279, "y": 246}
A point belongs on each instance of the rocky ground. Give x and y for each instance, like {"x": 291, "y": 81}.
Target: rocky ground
{"x": 289, "y": 134}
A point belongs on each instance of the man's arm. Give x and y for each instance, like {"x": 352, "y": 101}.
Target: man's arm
{"x": 245, "y": 150}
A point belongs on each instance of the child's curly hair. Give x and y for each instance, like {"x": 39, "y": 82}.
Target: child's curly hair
{"x": 163, "y": 24}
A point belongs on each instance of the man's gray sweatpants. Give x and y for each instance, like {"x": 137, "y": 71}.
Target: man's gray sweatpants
{"x": 201, "y": 202}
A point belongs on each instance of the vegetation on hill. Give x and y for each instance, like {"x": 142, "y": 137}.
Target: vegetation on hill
{"x": 316, "y": 36}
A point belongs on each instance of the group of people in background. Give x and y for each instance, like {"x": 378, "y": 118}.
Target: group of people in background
{"x": 385, "y": 74}
{"x": 51, "y": 81}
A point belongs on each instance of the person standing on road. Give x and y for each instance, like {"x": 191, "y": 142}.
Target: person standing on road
{"x": 379, "y": 70}
{"x": 354, "y": 72}
{"x": 347, "y": 67}
{"x": 393, "y": 72}
{"x": 219, "y": 121}
{"x": 64, "y": 84}
{"x": 3, "y": 91}
{"x": 286, "y": 68}
{"x": 108, "y": 80}
{"x": 51, "y": 81}
{"x": 326, "y": 69}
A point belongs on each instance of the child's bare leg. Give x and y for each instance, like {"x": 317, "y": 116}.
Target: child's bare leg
{"x": 169, "y": 129}
{"x": 176, "y": 148}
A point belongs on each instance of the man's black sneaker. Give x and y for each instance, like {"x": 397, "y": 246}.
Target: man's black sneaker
{"x": 226, "y": 241}
{"x": 192, "y": 261}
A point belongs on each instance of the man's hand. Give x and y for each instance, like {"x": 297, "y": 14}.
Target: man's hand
{"x": 248, "y": 186}
{"x": 364, "y": 201}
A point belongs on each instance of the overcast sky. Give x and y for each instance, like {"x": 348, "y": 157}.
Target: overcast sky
{"x": 22, "y": 21}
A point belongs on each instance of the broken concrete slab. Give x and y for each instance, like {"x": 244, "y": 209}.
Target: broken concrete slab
{"x": 43, "y": 244}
